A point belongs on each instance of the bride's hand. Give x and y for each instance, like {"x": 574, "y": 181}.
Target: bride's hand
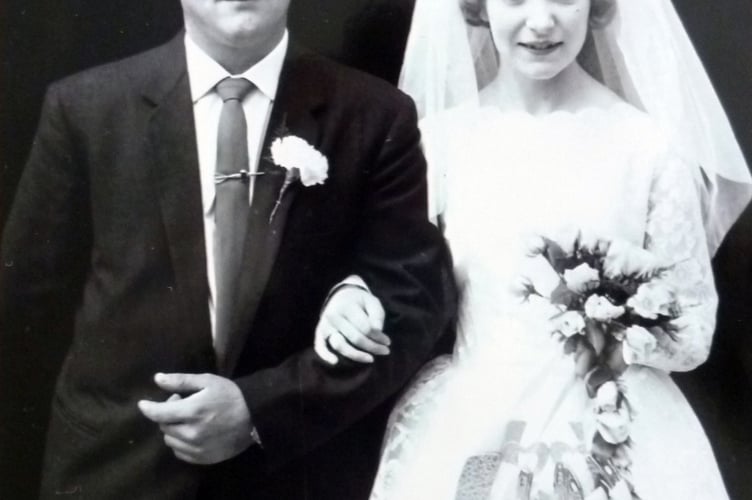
{"x": 351, "y": 325}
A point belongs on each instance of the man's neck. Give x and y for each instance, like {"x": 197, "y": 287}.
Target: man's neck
{"x": 236, "y": 59}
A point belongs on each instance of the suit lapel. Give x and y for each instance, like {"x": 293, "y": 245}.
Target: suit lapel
{"x": 296, "y": 105}
{"x": 172, "y": 136}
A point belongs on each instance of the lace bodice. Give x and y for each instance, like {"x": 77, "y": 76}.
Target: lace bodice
{"x": 498, "y": 178}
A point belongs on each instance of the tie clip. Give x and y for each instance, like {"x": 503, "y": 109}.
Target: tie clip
{"x": 243, "y": 175}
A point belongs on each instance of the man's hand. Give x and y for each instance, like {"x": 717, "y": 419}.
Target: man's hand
{"x": 210, "y": 425}
{"x": 351, "y": 324}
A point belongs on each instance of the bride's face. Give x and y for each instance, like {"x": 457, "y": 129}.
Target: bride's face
{"x": 538, "y": 38}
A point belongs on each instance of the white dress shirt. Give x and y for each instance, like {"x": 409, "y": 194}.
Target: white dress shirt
{"x": 203, "y": 74}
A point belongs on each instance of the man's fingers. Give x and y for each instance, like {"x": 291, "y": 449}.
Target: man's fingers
{"x": 321, "y": 347}
{"x": 357, "y": 316}
{"x": 380, "y": 338}
{"x": 168, "y": 412}
{"x": 183, "y": 432}
{"x": 212, "y": 424}
{"x": 368, "y": 318}
{"x": 182, "y": 382}
{"x": 375, "y": 312}
{"x": 341, "y": 345}
{"x": 185, "y": 457}
{"x": 352, "y": 323}
{"x": 178, "y": 444}
{"x": 358, "y": 338}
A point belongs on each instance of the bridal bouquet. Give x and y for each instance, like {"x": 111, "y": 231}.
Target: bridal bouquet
{"x": 609, "y": 294}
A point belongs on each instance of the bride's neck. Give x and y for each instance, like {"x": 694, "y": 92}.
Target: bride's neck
{"x": 511, "y": 91}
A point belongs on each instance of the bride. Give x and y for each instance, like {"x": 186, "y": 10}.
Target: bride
{"x": 554, "y": 118}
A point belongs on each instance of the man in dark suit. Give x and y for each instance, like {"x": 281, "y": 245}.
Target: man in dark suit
{"x": 187, "y": 379}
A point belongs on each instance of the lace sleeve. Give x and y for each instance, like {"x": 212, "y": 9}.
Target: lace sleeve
{"x": 675, "y": 234}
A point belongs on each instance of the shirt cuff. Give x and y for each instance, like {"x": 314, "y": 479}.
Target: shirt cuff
{"x": 255, "y": 437}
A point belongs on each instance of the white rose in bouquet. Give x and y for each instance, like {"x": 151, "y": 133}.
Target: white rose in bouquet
{"x": 607, "y": 396}
{"x": 613, "y": 426}
{"x": 601, "y": 309}
{"x": 653, "y": 299}
{"x": 581, "y": 279}
{"x": 569, "y": 323}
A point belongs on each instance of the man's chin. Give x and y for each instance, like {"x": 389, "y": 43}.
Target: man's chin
{"x": 244, "y": 30}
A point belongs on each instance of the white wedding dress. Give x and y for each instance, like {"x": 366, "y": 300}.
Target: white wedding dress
{"x": 497, "y": 179}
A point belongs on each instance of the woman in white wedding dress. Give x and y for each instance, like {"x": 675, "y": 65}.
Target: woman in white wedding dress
{"x": 546, "y": 148}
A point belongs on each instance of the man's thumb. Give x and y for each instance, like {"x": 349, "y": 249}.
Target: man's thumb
{"x": 181, "y": 382}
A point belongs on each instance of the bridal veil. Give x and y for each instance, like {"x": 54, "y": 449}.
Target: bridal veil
{"x": 643, "y": 54}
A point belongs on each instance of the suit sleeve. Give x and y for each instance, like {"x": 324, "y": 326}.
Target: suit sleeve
{"x": 40, "y": 280}
{"x": 47, "y": 232}
{"x": 303, "y": 402}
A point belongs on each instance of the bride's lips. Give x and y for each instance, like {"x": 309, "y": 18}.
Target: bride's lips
{"x": 540, "y": 48}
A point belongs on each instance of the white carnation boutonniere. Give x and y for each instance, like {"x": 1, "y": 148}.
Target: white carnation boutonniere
{"x": 301, "y": 161}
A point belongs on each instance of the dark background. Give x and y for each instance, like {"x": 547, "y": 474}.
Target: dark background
{"x": 43, "y": 40}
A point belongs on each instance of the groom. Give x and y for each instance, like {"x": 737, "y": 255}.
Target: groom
{"x": 161, "y": 211}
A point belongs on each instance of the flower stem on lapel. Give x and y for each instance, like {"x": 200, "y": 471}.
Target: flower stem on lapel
{"x": 292, "y": 175}
{"x": 301, "y": 161}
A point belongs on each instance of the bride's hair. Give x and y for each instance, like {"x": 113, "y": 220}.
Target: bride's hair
{"x": 601, "y": 12}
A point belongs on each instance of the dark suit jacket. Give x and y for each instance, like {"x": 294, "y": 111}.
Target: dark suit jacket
{"x": 107, "y": 223}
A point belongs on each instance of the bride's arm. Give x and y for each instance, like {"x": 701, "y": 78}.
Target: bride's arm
{"x": 675, "y": 233}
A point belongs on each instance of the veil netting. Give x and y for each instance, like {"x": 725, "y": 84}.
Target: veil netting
{"x": 644, "y": 54}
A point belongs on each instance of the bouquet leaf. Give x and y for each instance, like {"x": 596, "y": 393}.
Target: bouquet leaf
{"x": 563, "y": 296}
{"x": 571, "y": 344}
{"x": 597, "y": 377}
{"x": 556, "y": 256}
{"x": 595, "y": 335}
{"x": 601, "y": 448}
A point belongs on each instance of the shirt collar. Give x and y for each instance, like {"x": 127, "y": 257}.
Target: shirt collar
{"x": 204, "y": 72}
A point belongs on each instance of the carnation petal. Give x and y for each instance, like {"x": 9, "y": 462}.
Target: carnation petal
{"x": 294, "y": 152}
